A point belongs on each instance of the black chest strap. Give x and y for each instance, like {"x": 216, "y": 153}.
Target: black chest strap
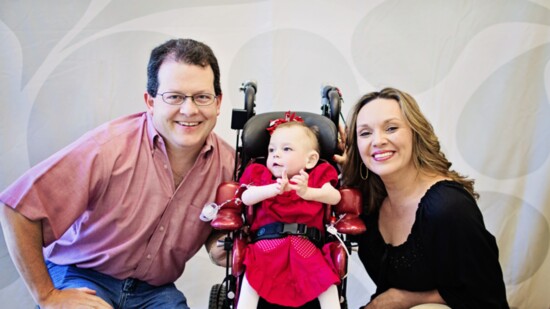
{"x": 280, "y": 230}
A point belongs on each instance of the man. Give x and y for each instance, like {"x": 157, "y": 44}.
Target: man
{"x": 111, "y": 220}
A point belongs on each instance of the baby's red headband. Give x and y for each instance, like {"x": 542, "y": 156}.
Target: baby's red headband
{"x": 273, "y": 124}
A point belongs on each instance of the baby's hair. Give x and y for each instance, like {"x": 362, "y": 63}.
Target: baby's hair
{"x": 311, "y": 131}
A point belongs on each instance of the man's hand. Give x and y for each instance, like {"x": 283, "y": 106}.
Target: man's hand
{"x": 73, "y": 298}
{"x": 24, "y": 241}
{"x": 215, "y": 249}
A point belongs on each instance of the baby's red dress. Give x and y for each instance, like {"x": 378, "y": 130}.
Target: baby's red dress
{"x": 289, "y": 271}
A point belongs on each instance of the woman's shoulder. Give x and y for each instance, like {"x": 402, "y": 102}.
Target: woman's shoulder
{"x": 447, "y": 200}
{"x": 444, "y": 186}
{"x": 444, "y": 196}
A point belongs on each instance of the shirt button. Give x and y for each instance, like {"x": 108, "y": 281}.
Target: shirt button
{"x": 161, "y": 228}
{"x": 165, "y": 166}
{"x": 148, "y": 256}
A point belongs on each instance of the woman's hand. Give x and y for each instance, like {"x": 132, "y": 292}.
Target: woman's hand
{"x": 391, "y": 299}
{"x": 340, "y": 159}
{"x": 397, "y": 299}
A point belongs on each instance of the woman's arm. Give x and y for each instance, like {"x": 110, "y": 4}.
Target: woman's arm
{"x": 465, "y": 254}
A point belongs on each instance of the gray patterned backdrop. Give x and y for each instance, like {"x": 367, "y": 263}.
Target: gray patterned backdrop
{"x": 479, "y": 69}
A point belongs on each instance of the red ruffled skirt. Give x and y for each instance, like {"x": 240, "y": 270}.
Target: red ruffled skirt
{"x": 289, "y": 271}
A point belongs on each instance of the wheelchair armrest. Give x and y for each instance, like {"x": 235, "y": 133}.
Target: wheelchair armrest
{"x": 226, "y": 191}
{"x": 350, "y": 206}
{"x": 229, "y": 216}
{"x": 338, "y": 257}
{"x": 350, "y": 203}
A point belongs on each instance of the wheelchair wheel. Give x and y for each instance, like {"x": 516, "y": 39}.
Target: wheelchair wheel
{"x": 218, "y": 297}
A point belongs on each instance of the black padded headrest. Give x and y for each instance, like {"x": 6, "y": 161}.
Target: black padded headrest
{"x": 255, "y": 137}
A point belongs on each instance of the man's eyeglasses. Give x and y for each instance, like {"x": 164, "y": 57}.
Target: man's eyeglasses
{"x": 176, "y": 98}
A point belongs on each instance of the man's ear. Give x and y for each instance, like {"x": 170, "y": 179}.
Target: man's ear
{"x": 149, "y": 101}
{"x": 312, "y": 159}
{"x": 218, "y": 104}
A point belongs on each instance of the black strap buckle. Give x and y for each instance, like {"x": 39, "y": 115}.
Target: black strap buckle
{"x": 293, "y": 228}
{"x": 280, "y": 230}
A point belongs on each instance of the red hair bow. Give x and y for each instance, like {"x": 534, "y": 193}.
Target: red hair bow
{"x": 273, "y": 124}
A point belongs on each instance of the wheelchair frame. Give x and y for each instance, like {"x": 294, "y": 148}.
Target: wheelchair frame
{"x": 224, "y": 295}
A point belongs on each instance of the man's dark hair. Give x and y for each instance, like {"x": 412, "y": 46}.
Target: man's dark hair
{"x": 182, "y": 50}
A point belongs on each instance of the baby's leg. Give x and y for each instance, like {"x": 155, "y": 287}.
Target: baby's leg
{"x": 248, "y": 298}
{"x": 329, "y": 299}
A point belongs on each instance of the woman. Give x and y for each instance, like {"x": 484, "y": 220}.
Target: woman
{"x": 426, "y": 241}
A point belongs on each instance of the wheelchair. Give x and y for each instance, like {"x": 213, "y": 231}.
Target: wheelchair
{"x": 230, "y": 215}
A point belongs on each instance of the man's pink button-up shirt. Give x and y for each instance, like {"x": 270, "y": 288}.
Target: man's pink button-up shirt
{"x": 108, "y": 201}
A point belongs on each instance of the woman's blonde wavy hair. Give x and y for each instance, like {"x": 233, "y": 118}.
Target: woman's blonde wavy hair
{"x": 426, "y": 152}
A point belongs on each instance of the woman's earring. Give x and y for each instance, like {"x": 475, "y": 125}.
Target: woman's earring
{"x": 361, "y": 171}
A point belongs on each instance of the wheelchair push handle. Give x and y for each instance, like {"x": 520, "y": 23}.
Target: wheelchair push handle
{"x": 249, "y": 88}
{"x": 331, "y": 101}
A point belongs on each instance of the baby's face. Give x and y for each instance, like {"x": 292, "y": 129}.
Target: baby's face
{"x": 288, "y": 149}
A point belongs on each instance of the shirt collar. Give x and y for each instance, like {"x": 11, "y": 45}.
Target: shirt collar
{"x": 208, "y": 144}
{"x": 152, "y": 133}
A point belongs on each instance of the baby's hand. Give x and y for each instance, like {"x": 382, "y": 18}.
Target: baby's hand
{"x": 299, "y": 183}
{"x": 282, "y": 183}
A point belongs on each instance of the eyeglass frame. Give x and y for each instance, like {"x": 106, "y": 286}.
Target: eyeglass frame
{"x": 214, "y": 97}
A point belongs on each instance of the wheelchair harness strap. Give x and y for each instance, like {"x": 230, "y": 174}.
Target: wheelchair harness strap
{"x": 280, "y": 230}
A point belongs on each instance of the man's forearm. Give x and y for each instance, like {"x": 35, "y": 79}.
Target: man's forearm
{"x": 24, "y": 242}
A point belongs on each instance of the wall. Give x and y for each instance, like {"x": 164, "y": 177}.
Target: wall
{"x": 479, "y": 69}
